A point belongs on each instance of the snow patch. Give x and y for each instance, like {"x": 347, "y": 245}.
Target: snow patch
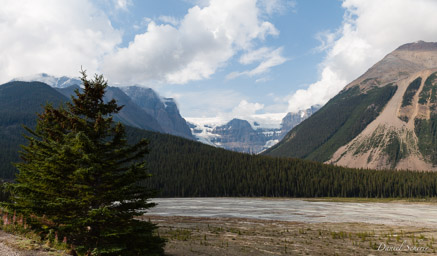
{"x": 57, "y": 82}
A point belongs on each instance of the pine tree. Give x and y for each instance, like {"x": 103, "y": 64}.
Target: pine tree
{"x": 79, "y": 177}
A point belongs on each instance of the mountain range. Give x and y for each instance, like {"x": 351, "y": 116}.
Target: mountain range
{"x": 248, "y": 136}
{"x": 143, "y": 107}
{"x": 185, "y": 168}
{"x": 385, "y": 119}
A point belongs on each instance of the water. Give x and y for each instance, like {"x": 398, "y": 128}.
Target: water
{"x": 424, "y": 215}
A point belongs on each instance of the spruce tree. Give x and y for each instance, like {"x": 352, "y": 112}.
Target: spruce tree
{"x": 80, "y": 178}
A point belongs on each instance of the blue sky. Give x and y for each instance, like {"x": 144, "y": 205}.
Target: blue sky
{"x": 298, "y": 22}
{"x": 218, "y": 58}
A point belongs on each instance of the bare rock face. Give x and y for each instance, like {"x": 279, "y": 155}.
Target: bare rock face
{"x": 404, "y": 135}
{"x": 238, "y": 135}
{"x": 164, "y": 110}
{"x": 293, "y": 119}
{"x": 399, "y": 64}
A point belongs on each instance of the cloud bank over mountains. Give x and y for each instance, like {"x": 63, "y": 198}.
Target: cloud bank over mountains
{"x": 370, "y": 30}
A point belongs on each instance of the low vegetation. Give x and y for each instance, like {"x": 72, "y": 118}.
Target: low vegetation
{"x": 411, "y": 91}
{"x": 395, "y": 149}
{"x": 228, "y": 236}
{"x": 429, "y": 91}
{"x": 426, "y": 131}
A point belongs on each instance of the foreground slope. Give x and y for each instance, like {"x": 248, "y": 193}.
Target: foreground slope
{"x": 384, "y": 119}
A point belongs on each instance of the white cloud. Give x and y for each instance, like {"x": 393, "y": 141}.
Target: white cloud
{"x": 245, "y": 109}
{"x": 267, "y": 57}
{"x": 276, "y": 6}
{"x": 123, "y": 4}
{"x": 54, "y": 37}
{"x": 206, "y": 103}
{"x": 370, "y": 30}
{"x": 222, "y": 105}
{"x": 169, "y": 19}
{"x": 205, "y": 39}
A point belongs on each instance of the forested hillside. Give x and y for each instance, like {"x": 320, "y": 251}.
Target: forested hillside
{"x": 19, "y": 103}
{"x": 183, "y": 168}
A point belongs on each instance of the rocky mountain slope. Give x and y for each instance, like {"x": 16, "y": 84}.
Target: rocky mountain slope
{"x": 248, "y": 136}
{"x": 143, "y": 107}
{"x": 131, "y": 114}
{"x": 164, "y": 110}
{"x": 387, "y": 118}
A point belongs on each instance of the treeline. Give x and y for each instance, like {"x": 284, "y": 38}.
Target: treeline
{"x": 182, "y": 168}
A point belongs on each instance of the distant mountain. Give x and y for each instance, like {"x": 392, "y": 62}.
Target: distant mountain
{"x": 144, "y": 108}
{"x": 386, "y": 118}
{"x": 238, "y": 135}
{"x": 131, "y": 114}
{"x": 164, "y": 110}
{"x": 248, "y": 137}
{"x": 19, "y": 103}
{"x": 293, "y": 119}
{"x": 57, "y": 82}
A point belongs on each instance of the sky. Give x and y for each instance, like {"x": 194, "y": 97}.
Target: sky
{"x": 218, "y": 58}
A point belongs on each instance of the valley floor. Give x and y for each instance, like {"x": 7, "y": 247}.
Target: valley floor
{"x": 234, "y": 236}
{"x": 12, "y": 245}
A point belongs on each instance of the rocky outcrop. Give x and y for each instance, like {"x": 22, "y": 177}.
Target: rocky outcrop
{"x": 293, "y": 119}
{"x": 164, "y": 110}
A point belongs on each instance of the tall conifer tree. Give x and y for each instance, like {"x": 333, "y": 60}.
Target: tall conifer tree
{"x": 80, "y": 178}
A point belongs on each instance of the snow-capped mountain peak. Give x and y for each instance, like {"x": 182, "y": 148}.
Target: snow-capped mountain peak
{"x": 252, "y": 134}
{"x": 56, "y": 82}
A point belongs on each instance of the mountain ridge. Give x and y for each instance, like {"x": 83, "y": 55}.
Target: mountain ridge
{"x": 134, "y": 114}
{"x": 399, "y": 133}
